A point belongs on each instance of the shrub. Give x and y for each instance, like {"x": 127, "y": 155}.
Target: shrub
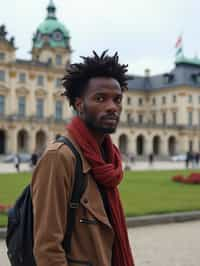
{"x": 193, "y": 178}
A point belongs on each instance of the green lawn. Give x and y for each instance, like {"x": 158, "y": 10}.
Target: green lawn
{"x": 142, "y": 192}
{"x": 150, "y": 192}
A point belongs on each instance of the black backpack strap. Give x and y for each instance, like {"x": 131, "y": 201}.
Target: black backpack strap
{"x": 78, "y": 189}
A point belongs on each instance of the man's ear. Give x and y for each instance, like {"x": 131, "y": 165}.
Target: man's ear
{"x": 79, "y": 105}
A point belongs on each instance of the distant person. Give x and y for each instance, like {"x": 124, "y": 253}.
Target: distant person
{"x": 192, "y": 156}
{"x": 132, "y": 158}
{"x": 197, "y": 158}
{"x": 151, "y": 158}
{"x": 17, "y": 162}
{"x": 57, "y": 136}
{"x": 187, "y": 159}
{"x": 34, "y": 159}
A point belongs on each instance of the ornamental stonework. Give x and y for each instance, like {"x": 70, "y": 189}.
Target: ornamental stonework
{"x": 12, "y": 74}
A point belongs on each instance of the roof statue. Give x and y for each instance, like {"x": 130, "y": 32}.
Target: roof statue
{"x": 3, "y": 32}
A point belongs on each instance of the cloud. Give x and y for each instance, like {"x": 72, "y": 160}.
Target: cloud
{"x": 156, "y": 65}
{"x": 144, "y": 32}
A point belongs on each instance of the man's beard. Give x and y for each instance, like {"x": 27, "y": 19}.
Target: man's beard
{"x": 92, "y": 124}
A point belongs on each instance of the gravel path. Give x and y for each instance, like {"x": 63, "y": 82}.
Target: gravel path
{"x": 159, "y": 245}
{"x": 167, "y": 245}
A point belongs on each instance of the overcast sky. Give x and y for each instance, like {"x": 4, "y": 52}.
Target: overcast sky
{"x": 144, "y": 32}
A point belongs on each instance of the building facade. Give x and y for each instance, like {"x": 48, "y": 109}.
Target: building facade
{"x": 31, "y": 108}
{"x": 161, "y": 113}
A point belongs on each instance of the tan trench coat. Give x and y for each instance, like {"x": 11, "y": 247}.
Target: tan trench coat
{"x": 51, "y": 186}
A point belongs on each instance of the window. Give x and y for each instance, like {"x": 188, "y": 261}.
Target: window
{"x": 128, "y": 117}
{"x": 2, "y": 75}
{"x": 22, "y": 77}
{"x": 189, "y": 98}
{"x": 58, "y": 83}
{"x": 166, "y": 79}
{"x": 164, "y": 118}
{"x": 164, "y": 100}
{"x": 154, "y": 101}
{"x": 49, "y": 61}
{"x": 58, "y": 60}
{"x": 174, "y": 118}
{"x": 40, "y": 108}
{"x": 2, "y": 56}
{"x": 154, "y": 118}
{"x": 140, "y": 118}
{"x": 2, "y": 104}
{"x": 59, "y": 110}
{"x": 140, "y": 101}
{"x": 174, "y": 98}
{"x": 190, "y": 118}
{"x": 128, "y": 100}
{"x": 40, "y": 80}
{"x": 21, "y": 105}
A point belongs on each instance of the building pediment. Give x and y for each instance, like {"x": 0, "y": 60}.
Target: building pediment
{"x": 40, "y": 92}
{"x": 4, "y": 89}
{"x": 57, "y": 95}
{"x": 22, "y": 90}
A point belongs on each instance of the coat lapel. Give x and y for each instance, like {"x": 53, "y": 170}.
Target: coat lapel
{"x": 92, "y": 201}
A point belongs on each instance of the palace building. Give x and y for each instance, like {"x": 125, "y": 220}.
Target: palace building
{"x": 31, "y": 108}
{"x": 161, "y": 113}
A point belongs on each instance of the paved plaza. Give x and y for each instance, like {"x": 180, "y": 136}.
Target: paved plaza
{"x": 159, "y": 245}
{"x": 167, "y": 245}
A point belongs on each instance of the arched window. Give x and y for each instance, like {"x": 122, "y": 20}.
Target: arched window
{"x": 2, "y": 142}
{"x": 140, "y": 144}
{"x": 40, "y": 141}
{"x": 172, "y": 145}
{"x": 156, "y": 145}
{"x": 22, "y": 141}
{"x": 123, "y": 143}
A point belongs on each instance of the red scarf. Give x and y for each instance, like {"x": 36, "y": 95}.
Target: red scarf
{"x": 108, "y": 175}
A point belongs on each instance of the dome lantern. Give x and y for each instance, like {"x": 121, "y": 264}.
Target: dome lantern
{"x": 51, "y": 10}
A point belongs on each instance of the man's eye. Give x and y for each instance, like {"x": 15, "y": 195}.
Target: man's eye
{"x": 118, "y": 100}
{"x": 100, "y": 98}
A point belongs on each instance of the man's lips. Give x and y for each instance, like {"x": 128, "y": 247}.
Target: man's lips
{"x": 110, "y": 118}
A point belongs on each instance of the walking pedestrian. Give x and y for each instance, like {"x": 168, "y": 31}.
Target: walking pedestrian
{"x": 17, "y": 162}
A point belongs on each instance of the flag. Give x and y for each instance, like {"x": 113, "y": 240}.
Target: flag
{"x": 179, "y": 42}
{"x": 179, "y": 46}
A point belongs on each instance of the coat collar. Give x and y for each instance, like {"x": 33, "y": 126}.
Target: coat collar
{"x": 86, "y": 166}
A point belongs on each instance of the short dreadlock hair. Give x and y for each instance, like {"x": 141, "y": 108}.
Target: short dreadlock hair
{"x": 78, "y": 75}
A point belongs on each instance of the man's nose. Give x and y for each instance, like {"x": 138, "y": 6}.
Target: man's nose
{"x": 112, "y": 106}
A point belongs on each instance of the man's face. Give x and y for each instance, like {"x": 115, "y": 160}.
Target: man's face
{"x": 101, "y": 105}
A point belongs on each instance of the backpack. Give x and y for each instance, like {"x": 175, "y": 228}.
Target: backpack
{"x": 19, "y": 238}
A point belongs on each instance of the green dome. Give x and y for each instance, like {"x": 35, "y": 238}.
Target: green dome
{"x": 51, "y": 32}
{"x": 50, "y": 25}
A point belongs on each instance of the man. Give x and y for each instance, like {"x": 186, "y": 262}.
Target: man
{"x": 94, "y": 88}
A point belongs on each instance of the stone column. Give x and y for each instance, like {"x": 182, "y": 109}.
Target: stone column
{"x": 11, "y": 145}
{"x": 148, "y": 145}
{"x": 131, "y": 144}
{"x": 32, "y": 141}
{"x": 182, "y": 144}
{"x": 164, "y": 146}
